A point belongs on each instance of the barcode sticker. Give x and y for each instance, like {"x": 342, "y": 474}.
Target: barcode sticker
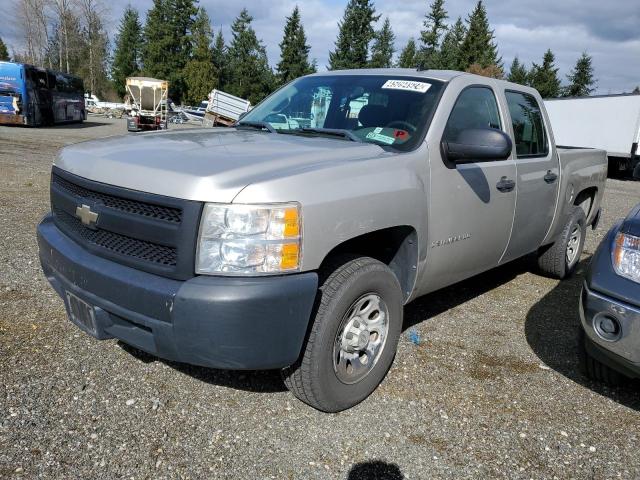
{"x": 410, "y": 85}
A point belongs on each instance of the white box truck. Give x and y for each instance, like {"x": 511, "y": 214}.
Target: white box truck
{"x": 606, "y": 122}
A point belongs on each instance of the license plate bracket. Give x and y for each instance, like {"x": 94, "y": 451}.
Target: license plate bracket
{"x": 81, "y": 313}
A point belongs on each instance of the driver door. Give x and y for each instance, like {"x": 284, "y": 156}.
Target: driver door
{"x": 470, "y": 210}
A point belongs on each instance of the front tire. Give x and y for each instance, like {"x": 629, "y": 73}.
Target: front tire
{"x": 560, "y": 259}
{"x": 593, "y": 368}
{"x": 353, "y": 335}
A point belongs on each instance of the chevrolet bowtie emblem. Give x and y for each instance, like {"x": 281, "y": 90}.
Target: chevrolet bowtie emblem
{"x": 86, "y": 216}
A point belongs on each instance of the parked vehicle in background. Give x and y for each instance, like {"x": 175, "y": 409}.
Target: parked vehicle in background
{"x": 36, "y": 96}
{"x": 92, "y": 101}
{"x": 224, "y": 109}
{"x": 198, "y": 111}
{"x": 610, "y": 305}
{"x": 148, "y": 103}
{"x": 275, "y": 245}
{"x": 607, "y": 122}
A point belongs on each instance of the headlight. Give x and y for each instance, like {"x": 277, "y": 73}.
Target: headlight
{"x": 249, "y": 239}
{"x": 626, "y": 256}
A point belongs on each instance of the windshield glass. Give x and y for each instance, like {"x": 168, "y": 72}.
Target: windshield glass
{"x": 385, "y": 110}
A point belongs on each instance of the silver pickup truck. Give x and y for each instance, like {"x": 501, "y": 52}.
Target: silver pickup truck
{"x": 293, "y": 240}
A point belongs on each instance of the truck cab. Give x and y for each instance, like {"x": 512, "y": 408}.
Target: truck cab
{"x": 293, "y": 239}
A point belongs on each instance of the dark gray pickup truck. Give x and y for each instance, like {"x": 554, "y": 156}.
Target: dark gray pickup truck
{"x": 293, "y": 240}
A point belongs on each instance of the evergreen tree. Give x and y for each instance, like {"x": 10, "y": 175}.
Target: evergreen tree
{"x": 451, "y": 45}
{"x": 249, "y": 74}
{"x": 356, "y": 31}
{"x": 479, "y": 48}
{"x": 518, "y": 73}
{"x": 200, "y": 75}
{"x": 581, "y": 80}
{"x": 4, "y": 53}
{"x": 294, "y": 51}
{"x": 127, "y": 52}
{"x": 544, "y": 78}
{"x": 636, "y": 90}
{"x": 434, "y": 27}
{"x": 409, "y": 55}
{"x": 383, "y": 47}
{"x": 167, "y": 42}
{"x": 219, "y": 56}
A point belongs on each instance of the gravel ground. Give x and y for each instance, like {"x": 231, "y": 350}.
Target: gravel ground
{"x": 491, "y": 389}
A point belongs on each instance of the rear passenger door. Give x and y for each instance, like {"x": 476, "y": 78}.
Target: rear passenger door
{"x": 538, "y": 172}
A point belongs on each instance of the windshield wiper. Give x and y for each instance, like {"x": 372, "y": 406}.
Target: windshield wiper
{"x": 259, "y": 125}
{"x": 334, "y": 132}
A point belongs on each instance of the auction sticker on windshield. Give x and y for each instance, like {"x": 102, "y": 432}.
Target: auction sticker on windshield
{"x": 412, "y": 86}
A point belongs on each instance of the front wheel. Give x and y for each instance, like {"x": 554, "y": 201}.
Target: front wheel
{"x": 353, "y": 336}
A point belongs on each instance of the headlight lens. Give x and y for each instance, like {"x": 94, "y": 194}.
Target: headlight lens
{"x": 626, "y": 256}
{"x": 249, "y": 239}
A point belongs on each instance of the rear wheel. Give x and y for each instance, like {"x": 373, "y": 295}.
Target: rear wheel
{"x": 560, "y": 259}
{"x": 353, "y": 335}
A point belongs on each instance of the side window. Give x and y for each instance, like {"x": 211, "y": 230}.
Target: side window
{"x": 528, "y": 125}
{"x": 476, "y": 107}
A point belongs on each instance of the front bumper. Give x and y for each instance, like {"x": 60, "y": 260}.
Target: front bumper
{"x": 606, "y": 294}
{"x": 220, "y": 322}
{"x": 6, "y": 119}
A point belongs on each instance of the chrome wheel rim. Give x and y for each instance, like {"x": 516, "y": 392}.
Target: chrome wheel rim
{"x": 573, "y": 245}
{"x": 361, "y": 338}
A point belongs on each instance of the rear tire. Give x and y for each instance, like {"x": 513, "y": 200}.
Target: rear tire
{"x": 353, "y": 335}
{"x": 560, "y": 259}
{"x": 594, "y": 369}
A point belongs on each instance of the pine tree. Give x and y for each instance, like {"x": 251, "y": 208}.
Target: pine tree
{"x": 636, "y": 90}
{"x": 219, "y": 56}
{"x": 383, "y": 47}
{"x": 249, "y": 74}
{"x": 479, "y": 48}
{"x": 518, "y": 73}
{"x": 167, "y": 42}
{"x": 127, "y": 52}
{"x": 200, "y": 75}
{"x": 451, "y": 45}
{"x": 294, "y": 51}
{"x": 4, "y": 53}
{"x": 409, "y": 55}
{"x": 434, "y": 27}
{"x": 356, "y": 31}
{"x": 581, "y": 80}
{"x": 544, "y": 78}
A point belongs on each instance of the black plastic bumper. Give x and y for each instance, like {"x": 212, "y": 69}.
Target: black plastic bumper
{"x": 220, "y": 322}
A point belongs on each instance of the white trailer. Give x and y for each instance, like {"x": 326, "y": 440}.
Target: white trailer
{"x": 224, "y": 108}
{"x": 148, "y": 103}
{"x": 607, "y": 122}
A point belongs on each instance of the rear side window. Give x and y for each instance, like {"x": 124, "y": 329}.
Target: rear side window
{"x": 476, "y": 107}
{"x": 528, "y": 125}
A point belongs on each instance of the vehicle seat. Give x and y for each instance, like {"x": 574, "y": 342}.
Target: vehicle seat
{"x": 373, "y": 116}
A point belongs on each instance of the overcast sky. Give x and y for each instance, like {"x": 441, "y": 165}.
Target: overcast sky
{"x": 609, "y": 30}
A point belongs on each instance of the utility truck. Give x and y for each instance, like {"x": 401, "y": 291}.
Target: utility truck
{"x": 280, "y": 246}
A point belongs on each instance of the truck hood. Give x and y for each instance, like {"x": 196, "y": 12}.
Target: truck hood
{"x": 210, "y": 165}
{"x": 631, "y": 224}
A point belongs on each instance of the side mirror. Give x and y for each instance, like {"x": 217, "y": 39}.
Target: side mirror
{"x": 476, "y": 145}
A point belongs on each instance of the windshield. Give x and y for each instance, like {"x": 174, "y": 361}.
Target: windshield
{"x": 385, "y": 110}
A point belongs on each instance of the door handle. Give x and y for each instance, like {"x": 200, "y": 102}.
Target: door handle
{"x": 505, "y": 185}
{"x": 550, "y": 177}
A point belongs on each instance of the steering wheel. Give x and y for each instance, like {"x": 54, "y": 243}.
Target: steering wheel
{"x": 402, "y": 125}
